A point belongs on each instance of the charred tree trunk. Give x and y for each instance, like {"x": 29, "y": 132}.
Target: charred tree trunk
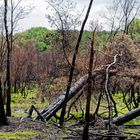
{"x": 8, "y": 103}
{"x": 98, "y": 105}
{"x": 73, "y": 66}
{"x": 87, "y": 114}
{"x": 127, "y": 117}
{"x": 58, "y": 104}
{"x": 3, "y": 119}
{"x": 133, "y": 94}
{"x": 75, "y": 100}
{"x": 15, "y": 86}
{"x": 30, "y": 111}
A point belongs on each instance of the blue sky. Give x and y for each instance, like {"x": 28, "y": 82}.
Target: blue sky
{"x": 37, "y": 16}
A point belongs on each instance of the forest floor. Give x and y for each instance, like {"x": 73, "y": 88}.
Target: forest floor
{"x": 25, "y": 129}
{"x": 19, "y": 129}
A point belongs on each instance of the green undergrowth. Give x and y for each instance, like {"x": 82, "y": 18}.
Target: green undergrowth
{"x": 19, "y": 135}
{"x": 132, "y": 133}
{"x": 118, "y": 98}
{"x": 121, "y": 108}
{"x": 135, "y": 121}
{"x": 20, "y": 104}
{"x": 74, "y": 116}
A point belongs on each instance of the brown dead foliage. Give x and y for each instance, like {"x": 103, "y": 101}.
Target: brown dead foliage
{"x": 127, "y": 66}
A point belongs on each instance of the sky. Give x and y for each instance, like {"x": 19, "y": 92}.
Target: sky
{"x": 37, "y": 15}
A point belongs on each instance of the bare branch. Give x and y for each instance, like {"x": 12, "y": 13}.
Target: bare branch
{"x": 107, "y": 91}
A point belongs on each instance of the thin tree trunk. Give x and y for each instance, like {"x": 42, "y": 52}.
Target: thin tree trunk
{"x": 3, "y": 119}
{"x": 8, "y": 104}
{"x": 87, "y": 114}
{"x": 73, "y": 66}
{"x": 15, "y": 86}
{"x": 98, "y": 105}
{"x": 108, "y": 94}
{"x": 71, "y": 105}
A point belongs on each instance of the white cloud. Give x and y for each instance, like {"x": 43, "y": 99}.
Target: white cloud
{"x": 37, "y": 16}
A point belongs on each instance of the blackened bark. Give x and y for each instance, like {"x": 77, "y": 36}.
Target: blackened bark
{"x": 30, "y": 111}
{"x": 3, "y": 119}
{"x": 58, "y": 104}
{"x": 15, "y": 86}
{"x": 127, "y": 117}
{"x": 87, "y": 114}
{"x": 98, "y": 105}
{"x": 133, "y": 94}
{"x": 75, "y": 100}
{"x": 8, "y": 103}
{"x": 73, "y": 65}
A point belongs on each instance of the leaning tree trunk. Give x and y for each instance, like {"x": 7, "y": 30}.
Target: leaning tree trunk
{"x": 58, "y": 104}
{"x": 73, "y": 66}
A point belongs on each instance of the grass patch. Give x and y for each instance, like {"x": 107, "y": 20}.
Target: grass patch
{"x": 135, "y": 121}
{"x": 20, "y": 135}
{"x": 21, "y": 104}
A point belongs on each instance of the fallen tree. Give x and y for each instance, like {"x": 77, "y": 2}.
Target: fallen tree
{"x": 127, "y": 117}
{"x": 58, "y": 104}
{"x": 118, "y": 79}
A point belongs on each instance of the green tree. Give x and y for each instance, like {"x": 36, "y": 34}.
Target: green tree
{"x": 37, "y": 34}
{"x": 134, "y": 29}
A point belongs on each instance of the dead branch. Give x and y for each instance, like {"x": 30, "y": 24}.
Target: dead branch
{"x": 107, "y": 92}
{"x": 31, "y": 111}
